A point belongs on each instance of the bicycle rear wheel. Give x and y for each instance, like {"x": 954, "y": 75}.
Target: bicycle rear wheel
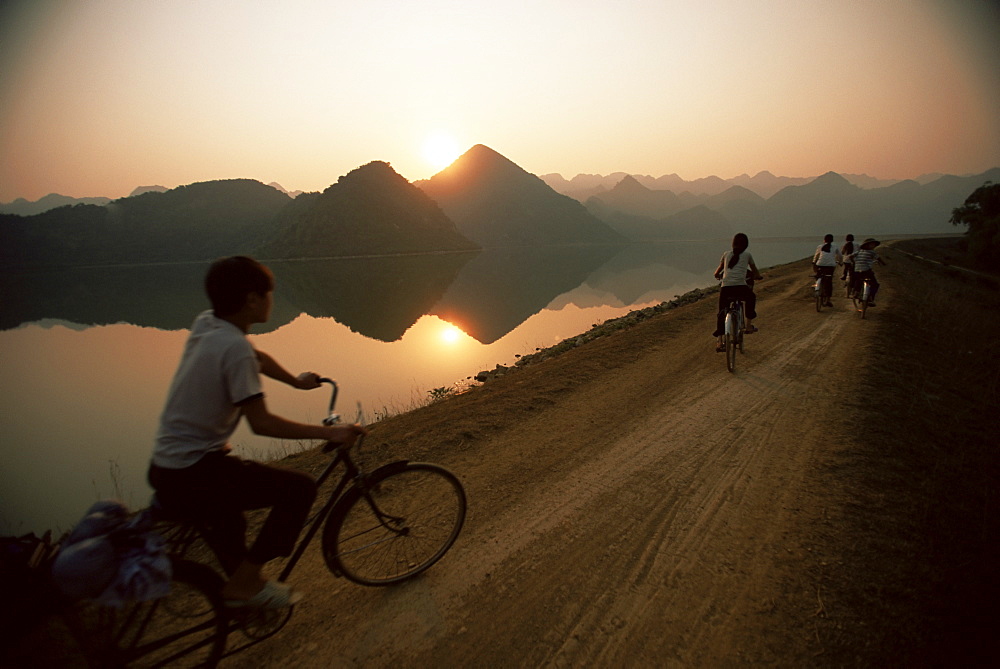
{"x": 730, "y": 340}
{"x": 740, "y": 330}
{"x": 394, "y": 524}
{"x": 187, "y": 628}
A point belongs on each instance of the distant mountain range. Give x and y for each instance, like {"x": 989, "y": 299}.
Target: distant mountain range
{"x": 827, "y": 204}
{"x": 483, "y": 200}
{"x": 583, "y": 186}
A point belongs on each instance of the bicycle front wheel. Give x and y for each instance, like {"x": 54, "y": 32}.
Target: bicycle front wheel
{"x": 187, "y": 628}
{"x": 395, "y": 523}
{"x": 730, "y": 341}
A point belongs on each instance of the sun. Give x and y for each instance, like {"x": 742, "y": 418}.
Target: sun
{"x": 440, "y": 150}
{"x": 451, "y": 334}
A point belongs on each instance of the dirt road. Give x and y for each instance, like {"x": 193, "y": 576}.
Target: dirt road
{"x": 632, "y": 503}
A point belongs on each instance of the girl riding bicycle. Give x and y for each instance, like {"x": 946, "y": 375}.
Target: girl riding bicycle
{"x": 735, "y": 269}
{"x": 825, "y": 262}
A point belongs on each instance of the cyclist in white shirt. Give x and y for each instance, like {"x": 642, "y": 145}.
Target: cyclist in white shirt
{"x": 825, "y": 262}
{"x": 192, "y": 470}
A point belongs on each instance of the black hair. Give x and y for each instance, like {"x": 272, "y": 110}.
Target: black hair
{"x": 850, "y": 238}
{"x": 230, "y": 280}
{"x": 740, "y": 244}
{"x": 829, "y": 243}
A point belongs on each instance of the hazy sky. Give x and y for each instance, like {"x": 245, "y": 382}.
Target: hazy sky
{"x": 100, "y": 96}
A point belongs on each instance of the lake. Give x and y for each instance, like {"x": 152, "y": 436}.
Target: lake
{"x": 88, "y": 354}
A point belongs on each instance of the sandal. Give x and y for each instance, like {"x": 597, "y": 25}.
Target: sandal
{"x": 273, "y": 595}
{"x": 720, "y": 348}
{"x": 751, "y": 330}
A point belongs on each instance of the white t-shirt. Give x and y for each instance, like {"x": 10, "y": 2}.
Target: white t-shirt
{"x": 218, "y": 372}
{"x": 827, "y": 258}
{"x": 737, "y": 274}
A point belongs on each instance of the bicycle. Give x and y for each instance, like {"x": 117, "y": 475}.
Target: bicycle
{"x": 849, "y": 280}
{"x": 379, "y": 528}
{"x": 862, "y": 296}
{"x": 822, "y": 290}
{"x": 733, "y": 332}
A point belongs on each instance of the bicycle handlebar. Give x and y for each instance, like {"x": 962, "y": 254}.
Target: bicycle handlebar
{"x": 333, "y": 392}
{"x": 333, "y": 419}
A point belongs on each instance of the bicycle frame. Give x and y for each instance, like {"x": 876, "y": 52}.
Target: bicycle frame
{"x": 737, "y": 307}
{"x": 187, "y": 533}
{"x": 351, "y": 473}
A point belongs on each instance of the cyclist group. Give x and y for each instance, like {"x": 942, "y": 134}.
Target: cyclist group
{"x": 738, "y": 272}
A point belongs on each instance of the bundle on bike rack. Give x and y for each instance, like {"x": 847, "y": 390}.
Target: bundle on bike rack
{"x": 113, "y": 556}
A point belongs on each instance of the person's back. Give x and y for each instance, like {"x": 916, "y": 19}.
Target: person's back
{"x": 846, "y": 251}
{"x": 202, "y": 408}
{"x": 864, "y": 267}
{"x": 735, "y": 269}
{"x": 864, "y": 260}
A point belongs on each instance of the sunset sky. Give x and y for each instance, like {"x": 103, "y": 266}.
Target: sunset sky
{"x": 98, "y": 97}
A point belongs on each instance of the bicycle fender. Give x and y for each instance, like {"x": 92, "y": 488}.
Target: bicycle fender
{"x": 353, "y": 492}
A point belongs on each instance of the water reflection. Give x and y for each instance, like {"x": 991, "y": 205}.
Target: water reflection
{"x": 380, "y": 298}
{"x": 83, "y": 400}
{"x": 501, "y": 288}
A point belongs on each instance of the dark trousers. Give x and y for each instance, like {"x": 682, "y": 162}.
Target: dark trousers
{"x": 726, "y": 295}
{"x": 827, "y": 285}
{"x": 858, "y": 280}
{"x": 215, "y": 491}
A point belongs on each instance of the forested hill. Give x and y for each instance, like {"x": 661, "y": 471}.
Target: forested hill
{"x": 195, "y": 222}
{"x": 372, "y": 210}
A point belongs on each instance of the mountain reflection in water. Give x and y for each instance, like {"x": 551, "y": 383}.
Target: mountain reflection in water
{"x": 486, "y": 294}
{"x": 88, "y": 353}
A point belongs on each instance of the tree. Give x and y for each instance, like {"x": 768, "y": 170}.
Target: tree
{"x": 981, "y": 213}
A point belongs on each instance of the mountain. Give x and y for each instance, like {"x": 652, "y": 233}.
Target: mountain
{"x": 497, "y": 204}
{"x": 201, "y": 221}
{"x": 22, "y": 207}
{"x": 372, "y": 210}
{"x": 277, "y": 186}
{"x": 731, "y": 195}
{"x": 631, "y": 197}
{"x": 766, "y": 184}
{"x": 148, "y": 189}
